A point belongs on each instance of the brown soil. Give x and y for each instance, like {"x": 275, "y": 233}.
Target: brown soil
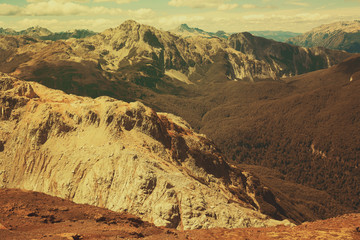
{"x": 32, "y": 215}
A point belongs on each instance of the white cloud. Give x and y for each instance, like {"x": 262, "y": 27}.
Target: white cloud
{"x": 224, "y": 7}
{"x": 61, "y": 1}
{"x": 248, "y": 6}
{"x": 7, "y": 9}
{"x": 117, "y": 1}
{"x": 218, "y": 4}
{"x": 278, "y": 18}
{"x": 171, "y": 22}
{"x": 55, "y": 8}
{"x": 301, "y": 4}
{"x": 141, "y": 13}
{"x": 56, "y": 25}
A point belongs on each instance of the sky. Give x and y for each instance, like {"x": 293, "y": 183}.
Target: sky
{"x": 210, "y": 15}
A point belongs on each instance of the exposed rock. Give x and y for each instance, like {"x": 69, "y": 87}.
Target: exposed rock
{"x": 138, "y": 54}
{"x": 122, "y": 156}
{"x": 185, "y": 31}
{"x": 281, "y": 59}
{"x": 2, "y": 227}
{"x": 338, "y": 35}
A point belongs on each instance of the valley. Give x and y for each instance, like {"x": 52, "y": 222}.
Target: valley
{"x": 187, "y": 131}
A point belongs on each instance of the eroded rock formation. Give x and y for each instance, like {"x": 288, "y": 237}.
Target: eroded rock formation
{"x": 125, "y": 157}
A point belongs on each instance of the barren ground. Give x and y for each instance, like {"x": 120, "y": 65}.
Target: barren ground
{"x": 32, "y": 215}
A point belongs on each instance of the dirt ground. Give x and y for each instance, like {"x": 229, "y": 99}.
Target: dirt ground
{"x": 31, "y": 215}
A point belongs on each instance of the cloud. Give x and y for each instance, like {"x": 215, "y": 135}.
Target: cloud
{"x": 55, "y": 8}
{"x": 117, "y": 1}
{"x": 8, "y": 10}
{"x": 278, "y": 18}
{"x": 248, "y": 6}
{"x": 170, "y": 22}
{"x": 57, "y": 25}
{"x": 301, "y": 4}
{"x": 141, "y": 13}
{"x": 224, "y": 7}
{"x": 61, "y": 1}
{"x": 218, "y": 4}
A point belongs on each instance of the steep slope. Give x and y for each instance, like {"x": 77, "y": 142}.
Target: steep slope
{"x": 286, "y": 59}
{"x": 124, "y": 157}
{"x": 271, "y": 123}
{"x": 310, "y": 133}
{"x": 339, "y": 35}
{"x": 126, "y": 61}
{"x": 306, "y": 127}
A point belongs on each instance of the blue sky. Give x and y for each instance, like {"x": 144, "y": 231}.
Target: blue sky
{"x": 210, "y": 15}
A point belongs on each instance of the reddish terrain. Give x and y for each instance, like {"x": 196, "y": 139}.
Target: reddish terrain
{"x": 32, "y": 215}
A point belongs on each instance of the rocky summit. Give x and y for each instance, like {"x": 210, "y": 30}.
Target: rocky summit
{"x": 124, "y": 157}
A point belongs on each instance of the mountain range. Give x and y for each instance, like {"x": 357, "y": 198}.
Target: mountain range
{"x": 185, "y": 31}
{"x": 281, "y": 115}
{"x": 339, "y": 35}
{"x": 46, "y": 34}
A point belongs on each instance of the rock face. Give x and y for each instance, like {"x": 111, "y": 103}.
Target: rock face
{"x": 124, "y": 157}
{"x": 339, "y": 35}
{"x": 134, "y": 54}
{"x": 185, "y": 31}
{"x": 282, "y": 59}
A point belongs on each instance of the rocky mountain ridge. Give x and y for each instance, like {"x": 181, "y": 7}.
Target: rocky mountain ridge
{"x": 339, "y": 35}
{"x": 124, "y": 157}
{"x": 147, "y": 57}
{"x": 185, "y": 31}
{"x": 252, "y": 122}
{"x": 45, "y": 34}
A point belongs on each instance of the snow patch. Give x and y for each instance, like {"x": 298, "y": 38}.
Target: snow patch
{"x": 178, "y": 75}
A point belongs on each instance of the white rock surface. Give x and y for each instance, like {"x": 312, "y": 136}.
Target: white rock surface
{"x": 121, "y": 156}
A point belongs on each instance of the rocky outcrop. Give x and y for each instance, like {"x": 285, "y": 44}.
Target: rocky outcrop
{"x": 149, "y": 58}
{"x": 338, "y": 35}
{"x": 185, "y": 31}
{"x": 283, "y": 59}
{"x": 124, "y": 157}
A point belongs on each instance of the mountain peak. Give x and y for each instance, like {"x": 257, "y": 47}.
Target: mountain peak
{"x": 130, "y": 23}
{"x": 184, "y": 26}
